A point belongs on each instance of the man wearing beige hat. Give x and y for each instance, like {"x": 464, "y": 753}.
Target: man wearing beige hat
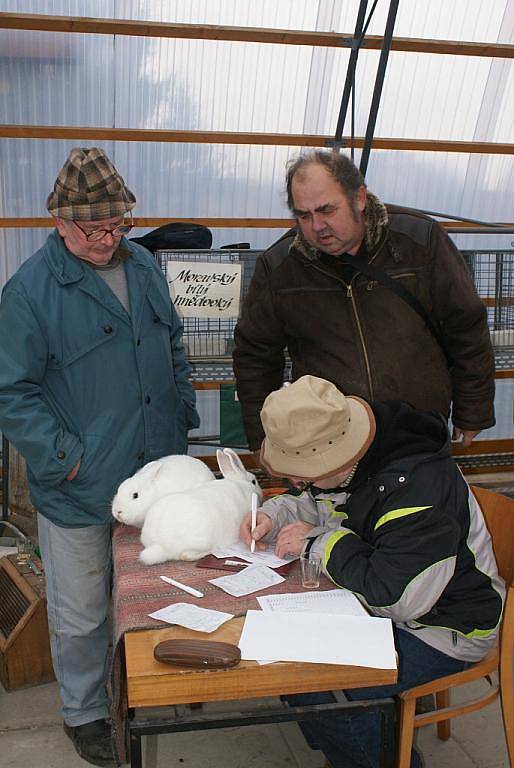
{"x": 93, "y": 385}
{"x": 379, "y": 498}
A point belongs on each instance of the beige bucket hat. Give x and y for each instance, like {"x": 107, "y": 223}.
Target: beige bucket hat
{"x": 89, "y": 188}
{"x": 313, "y": 430}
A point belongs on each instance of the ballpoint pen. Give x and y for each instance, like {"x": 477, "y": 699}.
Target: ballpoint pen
{"x": 255, "y": 500}
{"x": 189, "y": 590}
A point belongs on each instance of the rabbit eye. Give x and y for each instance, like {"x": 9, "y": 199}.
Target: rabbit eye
{"x": 135, "y": 495}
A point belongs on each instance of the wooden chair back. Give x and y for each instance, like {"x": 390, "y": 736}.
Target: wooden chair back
{"x": 498, "y": 511}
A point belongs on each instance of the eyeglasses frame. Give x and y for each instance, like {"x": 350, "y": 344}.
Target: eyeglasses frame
{"x": 89, "y": 235}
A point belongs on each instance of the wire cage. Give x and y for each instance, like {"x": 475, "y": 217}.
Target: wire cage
{"x": 209, "y": 338}
{"x": 209, "y": 341}
{"x": 493, "y": 275}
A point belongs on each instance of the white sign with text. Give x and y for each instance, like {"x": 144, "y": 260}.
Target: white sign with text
{"x": 199, "y": 289}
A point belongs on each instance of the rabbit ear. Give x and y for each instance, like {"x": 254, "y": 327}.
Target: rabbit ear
{"x": 235, "y": 462}
{"x": 152, "y": 466}
{"x": 224, "y": 463}
{"x": 149, "y": 471}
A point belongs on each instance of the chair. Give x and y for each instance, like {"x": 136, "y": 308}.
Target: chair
{"x": 498, "y": 512}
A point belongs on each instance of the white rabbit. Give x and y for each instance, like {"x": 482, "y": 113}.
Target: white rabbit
{"x": 204, "y": 519}
{"x": 170, "y": 474}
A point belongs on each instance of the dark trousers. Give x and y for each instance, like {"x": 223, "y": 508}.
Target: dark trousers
{"x": 353, "y": 741}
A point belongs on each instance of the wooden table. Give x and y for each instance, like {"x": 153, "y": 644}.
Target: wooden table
{"x": 152, "y": 684}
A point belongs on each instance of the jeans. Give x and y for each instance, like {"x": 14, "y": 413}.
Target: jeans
{"x": 353, "y": 741}
{"x": 77, "y": 563}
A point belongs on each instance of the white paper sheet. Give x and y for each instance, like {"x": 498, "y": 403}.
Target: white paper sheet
{"x": 192, "y": 616}
{"x": 329, "y": 601}
{"x": 263, "y": 557}
{"x": 250, "y": 579}
{"x": 364, "y": 641}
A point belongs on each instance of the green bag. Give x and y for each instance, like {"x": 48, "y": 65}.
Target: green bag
{"x": 232, "y": 434}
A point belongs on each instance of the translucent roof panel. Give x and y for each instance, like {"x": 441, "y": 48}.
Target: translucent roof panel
{"x": 135, "y": 82}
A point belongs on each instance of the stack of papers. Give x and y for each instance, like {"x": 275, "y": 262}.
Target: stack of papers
{"x": 322, "y": 638}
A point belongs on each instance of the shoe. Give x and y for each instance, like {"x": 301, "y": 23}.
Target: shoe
{"x": 92, "y": 742}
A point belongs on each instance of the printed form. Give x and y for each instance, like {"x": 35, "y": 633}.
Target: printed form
{"x": 329, "y": 601}
{"x": 261, "y": 556}
{"x": 192, "y": 617}
{"x": 250, "y": 579}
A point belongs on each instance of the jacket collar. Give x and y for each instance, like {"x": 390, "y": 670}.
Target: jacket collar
{"x": 68, "y": 269}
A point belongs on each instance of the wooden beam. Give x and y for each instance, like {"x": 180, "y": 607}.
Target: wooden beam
{"x": 102, "y": 26}
{"x": 20, "y": 222}
{"x": 505, "y": 301}
{"x": 484, "y": 447}
{"x": 150, "y": 134}
{"x": 221, "y": 222}
{"x": 247, "y": 137}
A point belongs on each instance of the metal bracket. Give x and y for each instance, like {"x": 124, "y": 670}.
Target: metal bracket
{"x": 354, "y": 43}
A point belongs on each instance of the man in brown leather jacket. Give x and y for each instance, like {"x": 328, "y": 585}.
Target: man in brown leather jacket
{"x": 308, "y": 295}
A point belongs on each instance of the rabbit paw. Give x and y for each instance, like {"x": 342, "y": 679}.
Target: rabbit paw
{"x": 191, "y": 555}
{"x": 153, "y": 554}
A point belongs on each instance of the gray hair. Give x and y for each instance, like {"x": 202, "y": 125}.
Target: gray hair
{"x": 339, "y": 166}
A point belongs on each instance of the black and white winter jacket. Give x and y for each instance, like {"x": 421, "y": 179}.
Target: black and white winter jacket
{"x": 407, "y": 536}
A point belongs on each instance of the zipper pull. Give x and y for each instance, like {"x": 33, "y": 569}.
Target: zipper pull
{"x": 349, "y": 292}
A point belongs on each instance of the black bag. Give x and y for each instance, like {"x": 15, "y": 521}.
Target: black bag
{"x": 176, "y": 236}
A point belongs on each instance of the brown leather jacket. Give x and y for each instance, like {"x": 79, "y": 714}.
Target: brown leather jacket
{"x": 363, "y": 337}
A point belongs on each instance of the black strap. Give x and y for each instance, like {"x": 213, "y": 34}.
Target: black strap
{"x": 384, "y": 279}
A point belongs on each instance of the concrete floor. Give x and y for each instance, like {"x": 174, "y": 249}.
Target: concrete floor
{"x": 31, "y": 734}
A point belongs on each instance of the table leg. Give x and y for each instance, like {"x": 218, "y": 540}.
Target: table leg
{"x": 135, "y": 751}
{"x": 388, "y": 740}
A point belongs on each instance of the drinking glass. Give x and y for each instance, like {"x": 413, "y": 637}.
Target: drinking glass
{"x": 25, "y": 550}
{"x": 311, "y": 569}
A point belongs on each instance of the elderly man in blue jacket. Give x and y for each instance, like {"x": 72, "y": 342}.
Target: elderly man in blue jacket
{"x": 93, "y": 384}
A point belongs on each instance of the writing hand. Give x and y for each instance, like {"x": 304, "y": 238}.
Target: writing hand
{"x": 264, "y": 526}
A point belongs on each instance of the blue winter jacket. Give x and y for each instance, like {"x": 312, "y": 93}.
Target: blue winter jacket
{"x": 81, "y": 379}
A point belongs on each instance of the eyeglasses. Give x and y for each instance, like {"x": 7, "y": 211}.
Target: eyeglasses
{"x": 99, "y": 234}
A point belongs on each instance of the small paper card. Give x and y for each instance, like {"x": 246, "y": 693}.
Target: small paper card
{"x": 251, "y": 579}
{"x": 262, "y": 557}
{"x": 192, "y": 616}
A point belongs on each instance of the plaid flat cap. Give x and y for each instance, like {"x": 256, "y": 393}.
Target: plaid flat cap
{"x": 89, "y": 188}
